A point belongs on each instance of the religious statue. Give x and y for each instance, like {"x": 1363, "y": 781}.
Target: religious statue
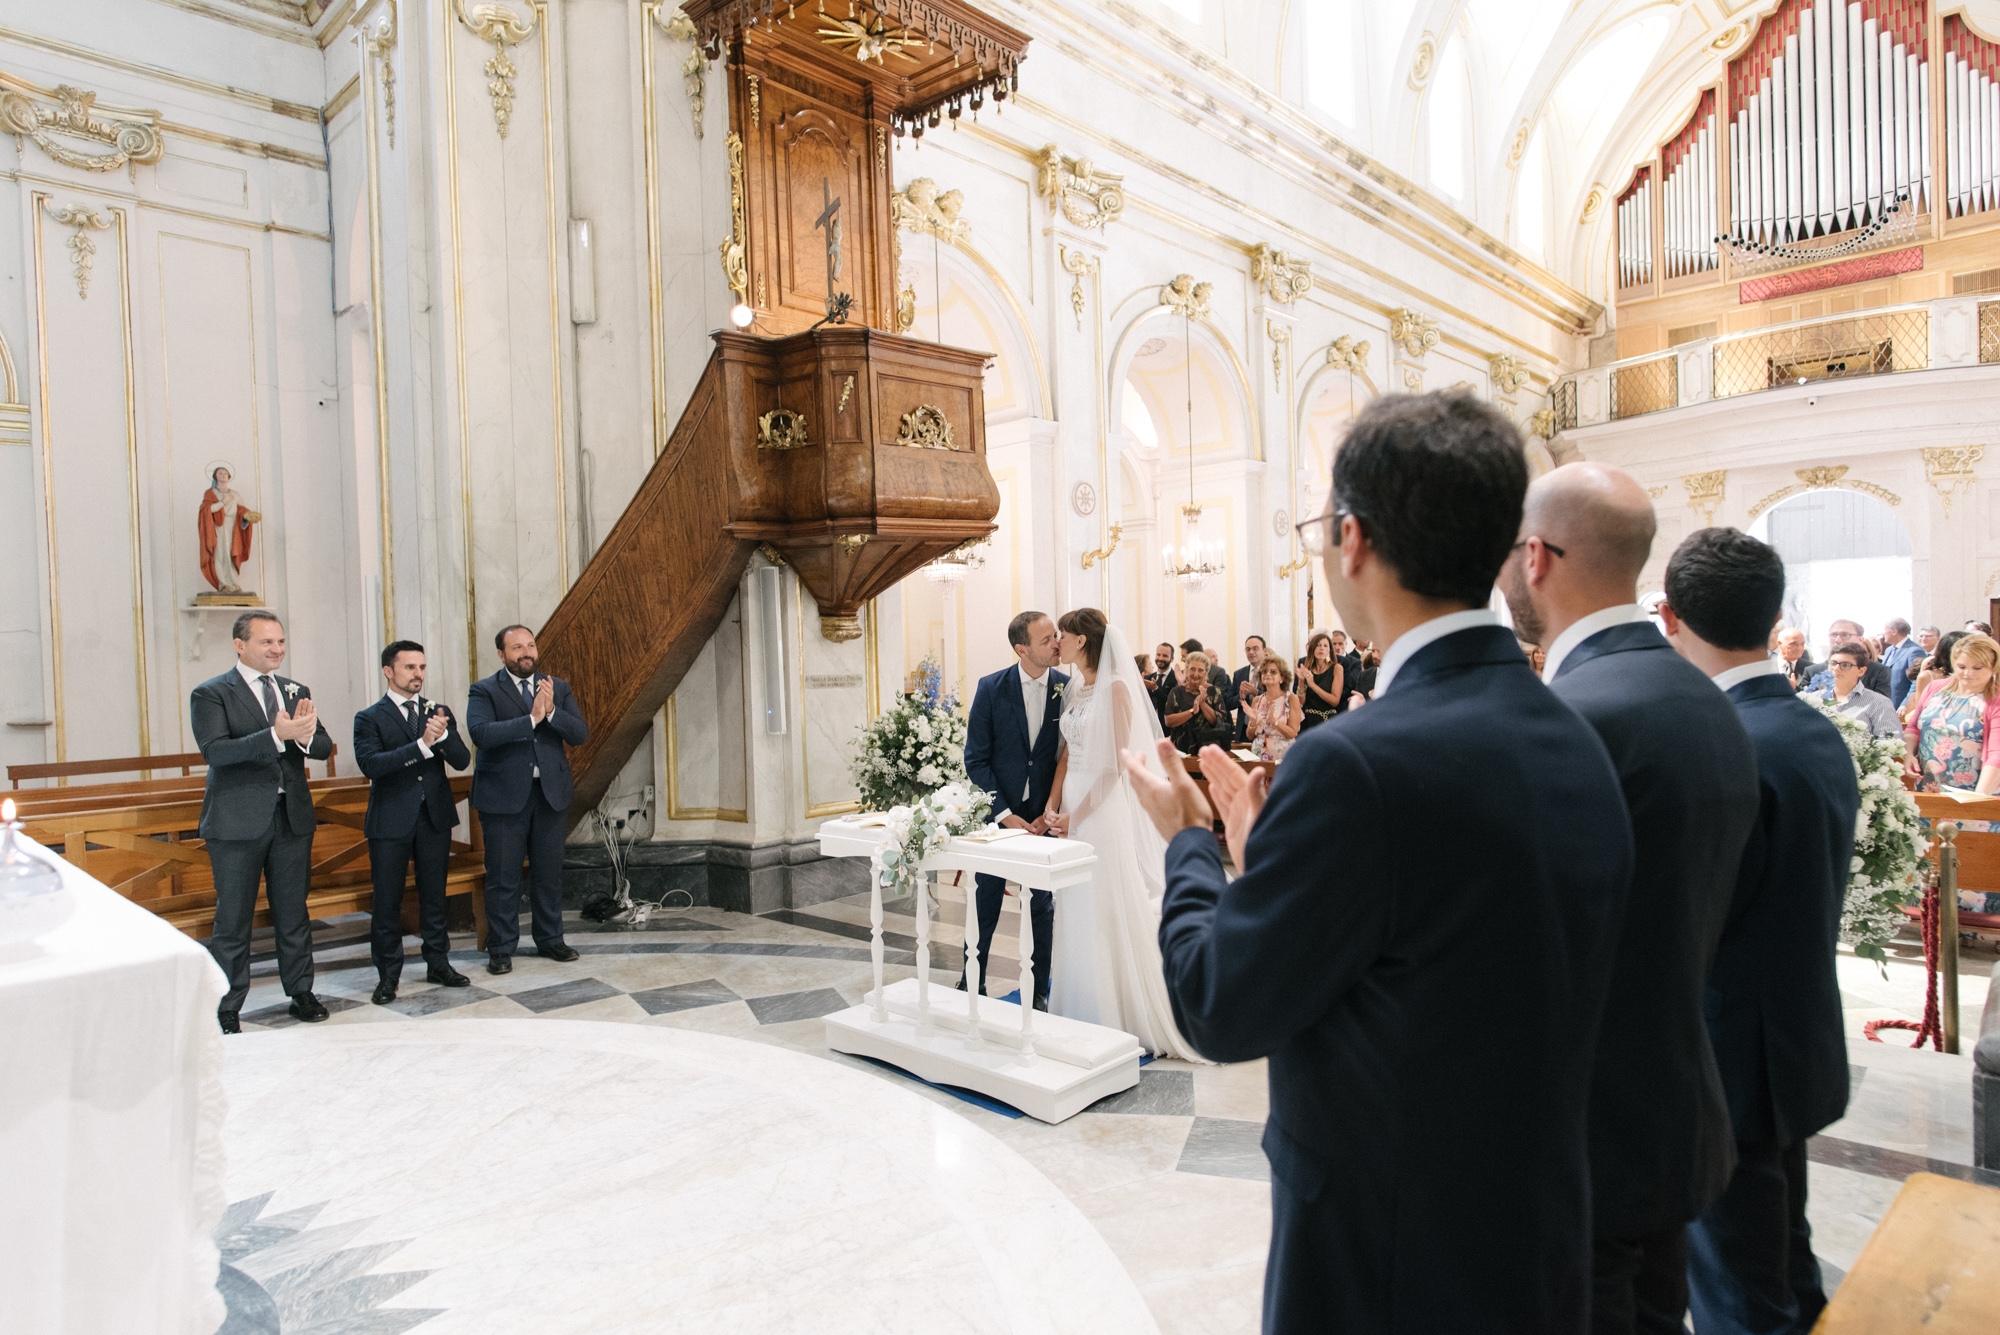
{"x": 224, "y": 529}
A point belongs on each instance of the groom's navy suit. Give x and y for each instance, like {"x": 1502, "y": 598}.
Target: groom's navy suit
{"x": 1001, "y": 758}
{"x": 1424, "y": 961}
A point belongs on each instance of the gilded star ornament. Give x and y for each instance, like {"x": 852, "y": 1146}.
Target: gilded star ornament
{"x": 868, "y": 38}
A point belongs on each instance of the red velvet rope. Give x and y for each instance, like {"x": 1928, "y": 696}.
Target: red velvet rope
{"x": 1933, "y": 1026}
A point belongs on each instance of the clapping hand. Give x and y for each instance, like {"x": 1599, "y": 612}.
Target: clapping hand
{"x": 435, "y": 726}
{"x": 298, "y": 725}
{"x": 545, "y": 700}
{"x": 1237, "y": 793}
{"x": 1172, "y": 800}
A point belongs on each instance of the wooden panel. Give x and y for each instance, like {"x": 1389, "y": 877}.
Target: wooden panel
{"x": 1931, "y": 1266}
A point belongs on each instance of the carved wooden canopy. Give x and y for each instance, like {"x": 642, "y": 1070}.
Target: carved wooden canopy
{"x": 924, "y": 59}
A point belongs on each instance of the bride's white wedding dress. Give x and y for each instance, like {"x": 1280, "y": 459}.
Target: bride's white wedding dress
{"x": 1106, "y": 962}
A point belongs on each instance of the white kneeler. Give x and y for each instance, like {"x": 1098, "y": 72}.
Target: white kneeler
{"x": 1050, "y": 1069}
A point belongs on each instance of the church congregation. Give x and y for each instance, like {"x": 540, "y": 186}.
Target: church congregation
{"x": 1105, "y": 667}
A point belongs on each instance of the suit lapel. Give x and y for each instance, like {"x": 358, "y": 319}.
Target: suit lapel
{"x": 1626, "y": 637}
{"x": 505, "y": 681}
{"x": 402, "y": 719}
{"x": 249, "y": 696}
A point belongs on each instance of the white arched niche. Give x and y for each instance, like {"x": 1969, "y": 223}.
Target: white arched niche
{"x": 1847, "y": 557}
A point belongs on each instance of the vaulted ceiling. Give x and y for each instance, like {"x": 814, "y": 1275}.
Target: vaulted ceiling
{"x": 1481, "y": 102}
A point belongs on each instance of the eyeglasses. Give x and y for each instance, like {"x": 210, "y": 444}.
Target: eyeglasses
{"x": 1313, "y": 533}
{"x": 1547, "y": 546}
{"x": 1843, "y": 665}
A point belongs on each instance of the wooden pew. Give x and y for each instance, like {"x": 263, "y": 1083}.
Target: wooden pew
{"x": 1978, "y": 851}
{"x": 1193, "y": 766}
{"x": 1932, "y": 1266}
{"x": 147, "y": 846}
{"x": 187, "y": 762}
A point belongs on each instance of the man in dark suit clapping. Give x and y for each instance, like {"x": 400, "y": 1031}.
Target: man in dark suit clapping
{"x": 520, "y": 720}
{"x": 1660, "y": 1147}
{"x": 256, "y": 730}
{"x": 402, "y": 743}
{"x": 1441, "y": 933}
{"x": 1773, "y": 1000}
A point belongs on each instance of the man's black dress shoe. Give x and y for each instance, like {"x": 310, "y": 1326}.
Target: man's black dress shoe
{"x": 305, "y": 1006}
{"x": 1041, "y": 1003}
{"x": 385, "y": 992}
{"x": 447, "y": 977}
{"x": 499, "y": 964}
{"x": 559, "y": 952}
{"x": 229, "y": 1022}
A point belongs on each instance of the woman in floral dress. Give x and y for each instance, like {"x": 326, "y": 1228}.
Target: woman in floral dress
{"x": 1954, "y": 737}
{"x": 1275, "y": 714}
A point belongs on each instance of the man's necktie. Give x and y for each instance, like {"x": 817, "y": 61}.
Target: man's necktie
{"x": 528, "y": 694}
{"x": 410, "y": 713}
{"x": 270, "y": 700}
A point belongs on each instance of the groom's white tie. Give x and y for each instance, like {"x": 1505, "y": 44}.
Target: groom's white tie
{"x": 1034, "y": 699}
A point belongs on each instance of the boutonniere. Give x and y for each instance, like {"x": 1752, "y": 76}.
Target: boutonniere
{"x": 1056, "y": 689}
{"x": 291, "y": 690}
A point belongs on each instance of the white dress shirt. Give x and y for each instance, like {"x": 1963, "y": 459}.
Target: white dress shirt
{"x": 1763, "y": 667}
{"x": 1604, "y": 618}
{"x": 255, "y": 681}
{"x": 1034, "y": 699}
{"x": 1416, "y": 637}
{"x": 402, "y": 703}
{"x": 516, "y": 683}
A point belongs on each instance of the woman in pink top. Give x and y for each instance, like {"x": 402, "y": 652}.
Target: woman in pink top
{"x": 1954, "y": 734}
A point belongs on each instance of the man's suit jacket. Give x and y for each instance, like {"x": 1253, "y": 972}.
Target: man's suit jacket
{"x": 511, "y": 745}
{"x": 1423, "y": 959}
{"x": 1660, "y": 1142}
{"x": 245, "y": 768}
{"x": 998, "y": 754}
{"x": 1773, "y": 999}
{"x": 1801, "y": 673}
{"x": 403, "y": 781}
{"x": 1896, "y": 660}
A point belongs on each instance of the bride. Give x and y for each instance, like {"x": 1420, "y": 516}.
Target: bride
{"x": 1107, "y": 938}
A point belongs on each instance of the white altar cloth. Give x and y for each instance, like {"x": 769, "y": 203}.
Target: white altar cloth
{"x": 111, "y": 1113}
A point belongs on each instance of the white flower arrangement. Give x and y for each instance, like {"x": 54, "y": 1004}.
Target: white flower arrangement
{"x": 291, "y": 690}
{"x": 918, "y": 830}
{"x": 915, "y": 748}
{"x": 1888, "y": 839}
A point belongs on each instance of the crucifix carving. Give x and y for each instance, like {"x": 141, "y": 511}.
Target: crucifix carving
{"x": 838, "y": 303}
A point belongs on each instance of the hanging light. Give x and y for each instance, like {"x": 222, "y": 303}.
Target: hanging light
{"x": 954, "y": 565}
{"x": 1195, "y": 560}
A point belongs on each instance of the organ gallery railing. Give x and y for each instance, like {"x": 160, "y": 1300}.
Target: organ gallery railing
{"x": 1894, "y": 338}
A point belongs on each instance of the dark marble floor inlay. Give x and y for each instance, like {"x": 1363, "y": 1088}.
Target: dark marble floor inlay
{"x": 280, "y": 1016}
{"x": 942, "y": 956}
{"x": 1225, "y": 1147}
{"x": 1892, "y": 1164}
{"x": 809, "y": 1005}
{"x": 435, "y": 999}
{"x": 1158, "y": 1093}
{"x": 280, "y": 1276}
{"x": 558, "y": 996}
{"x": 684, "y": 997}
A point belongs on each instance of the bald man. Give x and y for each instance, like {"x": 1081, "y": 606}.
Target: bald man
{"x": 1798, "y": 665}
{"x": 1661, "y": 1147}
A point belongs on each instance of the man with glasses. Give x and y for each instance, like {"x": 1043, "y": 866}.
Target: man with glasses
{"x": 1385, "y": 983}
{"x": 1848, "y": 665}
{"x": 1660, "y": 1148}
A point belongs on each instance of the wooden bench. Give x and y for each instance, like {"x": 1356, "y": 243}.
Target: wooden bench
{"x": 1932, "y": 1266}
{"x": 146, "y": 845}
{"x": 1192, "y": 765}
{"x": 187, "y": 762}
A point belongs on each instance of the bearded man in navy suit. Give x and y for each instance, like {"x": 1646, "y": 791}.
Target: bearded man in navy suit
{"x": 1773, "y": 999}
{"x": 1011, "y": 743}
{"x": 1420, "y": 937}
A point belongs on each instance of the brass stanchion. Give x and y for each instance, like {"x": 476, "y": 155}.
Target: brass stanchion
{"x": 1948, "y": 932}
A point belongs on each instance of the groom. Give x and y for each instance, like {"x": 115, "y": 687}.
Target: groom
{"x": 1011, "y": 742}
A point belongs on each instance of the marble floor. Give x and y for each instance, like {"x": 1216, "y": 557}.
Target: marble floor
{"x": 1157, "y": 1197}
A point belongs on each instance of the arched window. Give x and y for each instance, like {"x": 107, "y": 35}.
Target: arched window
{"x": 1450, "y": 111}
{"x": 1333, "y": 36}
{"x": 1531, "y": 189}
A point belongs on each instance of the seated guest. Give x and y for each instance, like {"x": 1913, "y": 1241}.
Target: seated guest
{"x": 1245, "y": 683}
{"x": 1350, "y": 665}
{"x": 1798, "y": 665}
{"x": 1195, "y": 715}
{"x": 1773, "y": 999}
{"x": 1874, "y": 676}
{"x": 1274, "y": 716}
{"x": 1848, "y": 662}
{"x": 1321, "y": 680}
{"x": 1382, "y": 987}
{"x": 1954, "y": 737}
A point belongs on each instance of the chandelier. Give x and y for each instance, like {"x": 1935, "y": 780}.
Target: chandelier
{"x": 1194, "y": 560}
{"x": 954, "y": 565}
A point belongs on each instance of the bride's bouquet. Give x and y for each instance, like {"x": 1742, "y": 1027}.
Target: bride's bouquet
{"x": 914, "y": 748}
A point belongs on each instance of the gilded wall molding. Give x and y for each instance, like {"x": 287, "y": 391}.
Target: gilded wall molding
{"x": 501, "y": 26}
{"x": 68, "y": 125}
{"x": 1415, "y": 333}
{"x": 1347, "y": 354}
{"x": 735, "y": 267}
{"x": 1519, "y": 148}
{"x": 1509, "y": 373}
{"x": 82, "y": 250}
{"x": 1593, "y": 204}
{"x": 1424, "y": 63}
{"x": 1542, "y": 426}
{"x": 926, "y": 428}
{"x": 1824, "y": 478}
{"x": 1949, "y": 470}
{"x": 1079, "y": 265}
{"x": 694, "y": 70}
{"x": 380, "y": 38}
{"x": 1183, "y": 296}
{"x": 920, "y": 207}
{"x": 1286, "y": 279}
{"x": 1086, "y": 196}
{"x": 1280, "y": 335}
{"x": 1704, "y": 492}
